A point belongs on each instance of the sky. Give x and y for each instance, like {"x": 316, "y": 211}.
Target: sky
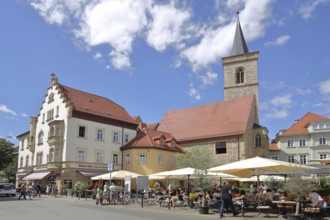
{"x": 152, "y": 56}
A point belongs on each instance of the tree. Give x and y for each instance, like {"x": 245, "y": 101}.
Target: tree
{"x": 299, "y": 186}
{"x": 198, "y": 158}
{"x": 10, "y": 170}
{"x": 6, "y": 153}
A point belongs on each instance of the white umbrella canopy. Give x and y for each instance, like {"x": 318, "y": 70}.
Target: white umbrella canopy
{"x": 188, "y": 171}
{"x": 257, "y": 165}
{"x": 116, "y": 175}
{"x": 263, "y": 178}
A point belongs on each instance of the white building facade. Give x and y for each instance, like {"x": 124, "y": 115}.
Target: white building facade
{"x": 75, "y": 135}
{"x": 305, "y": 141}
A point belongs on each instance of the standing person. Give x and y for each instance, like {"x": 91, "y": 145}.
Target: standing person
{"x": 28, "y": 190}
{"x": 99, "y": 196}
{"x": 38, "y": 190}
{"x": 106, "y": 192}
{"x": 34, "y": 189}
{"x": 53, "y": 189}
{"x": 226, "y": 199}
{"x": 23, "y": 191}
{"x": 48, "y": 189}
{"x": 113, "y": 194}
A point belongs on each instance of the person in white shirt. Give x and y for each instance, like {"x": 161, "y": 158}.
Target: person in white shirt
{"x": 316, "y": 199}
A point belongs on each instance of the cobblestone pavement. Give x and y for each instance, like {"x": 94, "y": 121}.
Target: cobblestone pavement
{"x": 178, "y": 210}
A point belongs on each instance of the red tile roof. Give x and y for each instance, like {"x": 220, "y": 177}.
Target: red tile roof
{"x": 94, "y": 104}
{"x": 208, "y": 121}
{"x": 274, "y": 147}
{"x": 149, "y": 138}
{"x": 300, "y": 127}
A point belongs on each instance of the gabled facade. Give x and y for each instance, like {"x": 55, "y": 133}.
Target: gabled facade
{"x": 306, "y": 140}
{"x": 75, "y": 135}
{"x": 151, "y": 151}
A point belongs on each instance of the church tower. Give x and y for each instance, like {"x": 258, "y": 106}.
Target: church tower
{"x": 240, "y": 69}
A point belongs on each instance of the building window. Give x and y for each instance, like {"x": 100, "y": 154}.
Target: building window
{"x": 21, "y": 162}
{"x": 43, "y": 117}
{"x": 173, "y": 144}
{"x": 127, "y": 158}
{"x": 303, "y": 159}
{"x": 81, "y": 156}
{"x": 290, "y": 143}
{"x": 115, "y": 137}
{"x": 274, "y": 157}
{"x": 323, "y": 156}
{"x": 322, "y": 141}
{"x": 50, "y": 115}
{"x": 172, "y": 160}
{"x": 160, "y": 159}
{"x": 57, "y": 111}
{"x": 39, "y": 158}
{"x": 162, "y": 142}
{"x": 258, "y": 140}
{"x": 99, "y": 134}
{"x": 291, "y": 159}
{"x": 22, "y": 144}
{"x": 142, "y": 159}
{"x": 32, "y": 157}
{"x": 239, "y": 75}
{"x": 51, "y": 97}
{"x": 302, "y": 143}
{"x": 126, "y": 138}
{"x": 99, "y": 157}
{"x": 27, "y": 161}
{"x": 82, "y": 131}
{"x": 41, "y": 137}
{"x": 221, "y": 147}
{"x": 115, "y": 159}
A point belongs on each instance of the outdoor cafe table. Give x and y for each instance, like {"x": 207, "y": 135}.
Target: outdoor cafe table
{"x": 283, "y": 205}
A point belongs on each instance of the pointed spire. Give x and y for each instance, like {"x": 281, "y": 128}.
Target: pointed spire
{"x": 239, "y": 45}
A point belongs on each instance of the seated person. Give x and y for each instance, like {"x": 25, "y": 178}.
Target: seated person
{"x": 240, "y": 198}
{"x": 316, "y": 200}
{"x": 269, "y": 195}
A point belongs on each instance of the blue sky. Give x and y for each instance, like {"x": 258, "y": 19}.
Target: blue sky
{"x": 154, "y": 56}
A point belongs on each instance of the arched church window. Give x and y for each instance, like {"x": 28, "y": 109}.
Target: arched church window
{"x": 239, "y": 75}
{"x": 258, "y": 140}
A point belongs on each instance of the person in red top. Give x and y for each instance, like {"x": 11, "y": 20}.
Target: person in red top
{"x": 23, "y": 191}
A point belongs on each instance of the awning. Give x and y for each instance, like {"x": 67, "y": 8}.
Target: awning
{"x": 36, "y": 176}
{"x": 89, "y": 174}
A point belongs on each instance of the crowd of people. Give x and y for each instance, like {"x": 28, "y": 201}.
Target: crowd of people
{"x": 226, "y": 196}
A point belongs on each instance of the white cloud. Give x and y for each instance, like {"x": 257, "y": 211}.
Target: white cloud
{"x": 209, "y": 78}
{"x": 279, "y": 101}
{"x": 308, "y": 8}
{"x": 217, "y": 42}
{"x": 116, "y": 23}
{"x": 324, "y": 88}
{"x": 278, "y": 42}
{"x": 167, "y": 26}
{"x": 301, "y": 91}
{"x": 24, "y": 115}
{"x": 97, "y": 56}
{"x": 280, "y": 107}
{"x": 4, "y": 108}
{"x": 194, "y": 93}
{"x": 278, "y": 113}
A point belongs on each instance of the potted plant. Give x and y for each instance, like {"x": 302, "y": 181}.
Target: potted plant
{"x": 298, "y": 187}
{"x": 203, "y": 183}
